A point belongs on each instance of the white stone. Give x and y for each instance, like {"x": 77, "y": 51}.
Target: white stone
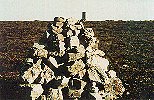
{"x": 53, "y": 61}
{"x": 47, "y": 34}
{"x": 69, "y": 33}
{"x": 72, "y": 21}
{"x": 29, "y": 60}
{"x": 93, "y": 75}
{"x": 55, "y": 53}
{"x": 99, "y": 52}
{"x": 64, "y": 82}
{"x": 58, "y": 31}
{"x": 62, "y": 46}
{"x": 72, "y": 27}
{"x": 89, "y": 49}
{"x": 97, "y": 96}
{"x": 74, "y": 41}
{"x": 32, "y": 73}
{"x": 82, "y": 25}
{"x": 60, "y": 37}
{"x": 41, "y": 53}
{"x": 37, "y": 90}
{"x": 81, "y": 49}
{"x": 78, "y": 27}
{"x": 39, "y": 50}
{"x": 59, "y": 24}
{"x": 77, "y": 32}
{"x": 112, "y": 74}
{"x": 38, "y": 46}
{"x": 100, "y": 62}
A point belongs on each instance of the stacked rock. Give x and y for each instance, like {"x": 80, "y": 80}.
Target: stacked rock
{"x": 69, "y": 65}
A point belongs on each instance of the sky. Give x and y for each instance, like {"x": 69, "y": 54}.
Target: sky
{"x": 96, "y": 10}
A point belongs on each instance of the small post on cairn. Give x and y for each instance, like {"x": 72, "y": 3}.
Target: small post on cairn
{"x": 83, "y": 16}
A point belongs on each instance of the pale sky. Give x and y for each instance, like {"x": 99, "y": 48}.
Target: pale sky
{"x": 22, "y": 10}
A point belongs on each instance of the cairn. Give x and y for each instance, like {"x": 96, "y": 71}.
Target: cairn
{"x": 69, "y": 65}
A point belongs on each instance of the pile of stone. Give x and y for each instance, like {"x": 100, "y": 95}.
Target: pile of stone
{"x": 69, "y": 65}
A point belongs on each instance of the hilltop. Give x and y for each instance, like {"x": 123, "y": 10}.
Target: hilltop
{"x": 127, "y": 43}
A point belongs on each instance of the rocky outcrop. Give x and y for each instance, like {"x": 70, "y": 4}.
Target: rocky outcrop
{"x": 70, "y": 65}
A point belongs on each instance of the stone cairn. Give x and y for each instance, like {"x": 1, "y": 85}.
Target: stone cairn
{"x": 69, "y": 65}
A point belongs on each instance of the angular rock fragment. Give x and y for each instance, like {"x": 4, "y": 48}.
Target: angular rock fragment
{"x": 53, "y": 61}
{"x": 56, "y": 30}
{"x": 72, "y": 27}
{"x": 100, "y": 62}
{"x": 41, "y": 53}
{"x": 77, "y": 32}
{"x": 36, "y": 90}
{"x": 64, "y": 82}
{"x": 46, "y": 75}
{"x": 47, "y": 34}
{"x": 32, "y": 73}
{"x": 39, "y": 50}
{"x": 29, "y": 60}
{"x": 55, "y": 94}
{"x": 112, "y": 74}
{"x": 59, "y": 19}
{"x": 75, "y": 56}
{"x": 99, "y": 52}
{"x": 76, "y": 67}
{"x": 69, "y": 33}
{"x": 78, "y": 27}
{"x": 59, "y": 24}
{"x": 74, "y": 41}
{"x": 37, "y": 46}
{"x": 60, "y": 37}
{"x": 81, "y": 49}
{"x": 72, "y": 21}
{"x": 93, "y": 75}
